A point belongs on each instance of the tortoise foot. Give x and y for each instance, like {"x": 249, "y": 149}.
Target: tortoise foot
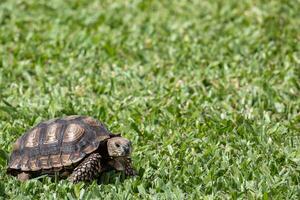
{"x": 23, "y": 176}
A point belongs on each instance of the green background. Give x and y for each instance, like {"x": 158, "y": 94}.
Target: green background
{"x": 208, "y": 92}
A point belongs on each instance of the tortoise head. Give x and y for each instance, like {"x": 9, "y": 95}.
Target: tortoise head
{"x": 119, "y": 147}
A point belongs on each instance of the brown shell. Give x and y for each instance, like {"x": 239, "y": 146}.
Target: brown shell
{"x": 57, "y": 143}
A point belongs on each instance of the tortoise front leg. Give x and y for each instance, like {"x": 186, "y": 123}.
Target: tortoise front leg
{"x": 87, "y": 170}
{"x": 129, "y": 171}
{"x": 123, "y": 164}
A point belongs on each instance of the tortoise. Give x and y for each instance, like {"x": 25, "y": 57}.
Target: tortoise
{"x": 76, "y": 147}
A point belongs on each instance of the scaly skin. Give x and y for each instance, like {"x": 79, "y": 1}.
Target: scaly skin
{"x": 122, "y": 164}
{"x": 129, "y": 171}
{"x": 23, "y": 176}
{"x": 87, "y": 170}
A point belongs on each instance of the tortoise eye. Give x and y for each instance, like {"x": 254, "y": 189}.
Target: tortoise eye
{"x": 117, "y": 145}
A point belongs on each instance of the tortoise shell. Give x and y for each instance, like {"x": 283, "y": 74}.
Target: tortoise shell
{"x": 57, "y": 144}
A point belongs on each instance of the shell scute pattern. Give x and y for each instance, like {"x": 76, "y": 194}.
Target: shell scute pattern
{"x": 17, "y": 145}
{"x": 44, "y": 162}
{"x": 15, "y": 163}
{"x": 32, "y": 139}
{"x": 51, "y": 136}
{"x": 91, "y": 121}
{"x": 33, "y": 165}
{"x": 73, "y": 133}
{"x": 55, "y": 161}
{"x": 57, "y": 143}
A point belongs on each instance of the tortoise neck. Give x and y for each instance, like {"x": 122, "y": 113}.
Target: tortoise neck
{"x": 102, "y": 150}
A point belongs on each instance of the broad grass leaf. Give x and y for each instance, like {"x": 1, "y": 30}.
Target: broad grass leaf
{"x": 3, "y": 157}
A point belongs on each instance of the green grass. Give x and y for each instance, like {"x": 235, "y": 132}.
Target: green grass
{"x": 208, "y": 92}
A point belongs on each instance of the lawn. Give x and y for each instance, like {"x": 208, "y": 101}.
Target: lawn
{"x": 208, "y": 92}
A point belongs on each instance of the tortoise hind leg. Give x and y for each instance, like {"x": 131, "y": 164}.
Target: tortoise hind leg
{"x": 23, "y": 176}
{"x": 87, "y": 170}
